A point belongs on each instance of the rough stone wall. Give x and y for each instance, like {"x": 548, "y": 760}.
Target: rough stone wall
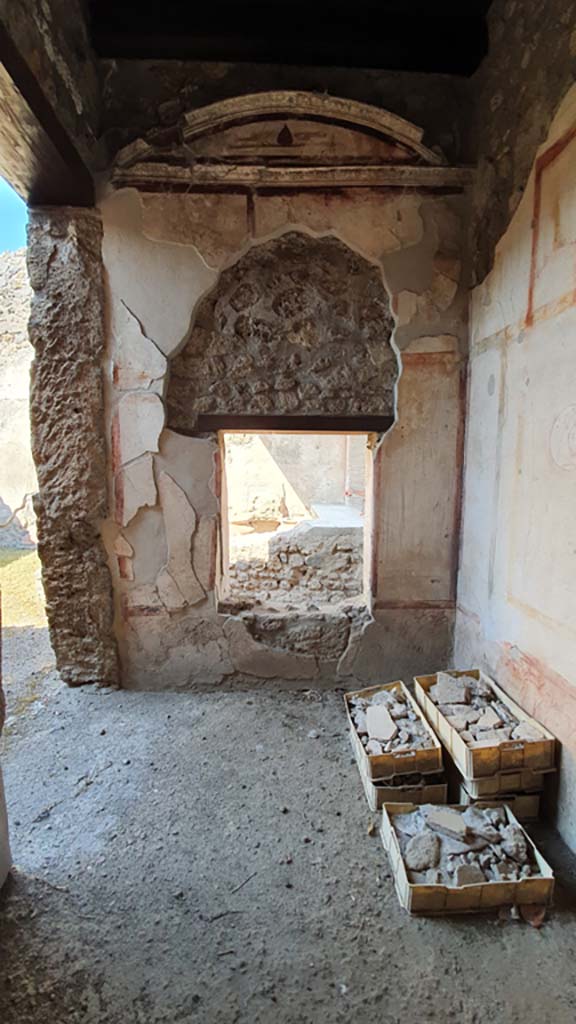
{"x": 17, "y": 473}
{"x": 298, "y": 325}
{"x": 530, "y": 66}
{"x": 309, "y": 564}
{"x": 67, "y": 331}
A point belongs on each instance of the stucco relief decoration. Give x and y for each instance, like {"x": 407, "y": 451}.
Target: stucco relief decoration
{"x": 297, "y": 326}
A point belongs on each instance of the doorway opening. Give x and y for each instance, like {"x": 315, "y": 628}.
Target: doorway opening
{"x": 293, "y": 519}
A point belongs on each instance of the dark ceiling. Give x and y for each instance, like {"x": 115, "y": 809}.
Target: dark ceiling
{"x": 446, "y": 36}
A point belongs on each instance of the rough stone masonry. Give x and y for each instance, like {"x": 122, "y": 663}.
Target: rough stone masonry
{"x": 67, "y": 418}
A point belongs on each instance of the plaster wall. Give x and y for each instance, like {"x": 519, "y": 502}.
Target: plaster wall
{"x": 162, "y": 254}
{"x": 517, "y": 582}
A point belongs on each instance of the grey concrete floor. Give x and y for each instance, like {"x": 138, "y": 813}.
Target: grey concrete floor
{"x": 184, "y": 858}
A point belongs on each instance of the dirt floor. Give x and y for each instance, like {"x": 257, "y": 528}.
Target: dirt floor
{"x": 185, "y": 858}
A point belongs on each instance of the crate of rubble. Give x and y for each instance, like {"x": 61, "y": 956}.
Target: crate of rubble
{"x": 389, "y": 734}
{"x": 484, "y": 731}
{"x": 414, "y": 788}
{"x": 524, "y": 806}
{"x": 457, "y": 859}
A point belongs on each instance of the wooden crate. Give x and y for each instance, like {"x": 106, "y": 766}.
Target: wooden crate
{"x": 465, "y": 899}
{"x": 524, "y": 806}
{"x": 384, "y": 766}
{"x": 525, "y": 755}
{"x": 506, "y": 782}
{"x": 381, "y": 792}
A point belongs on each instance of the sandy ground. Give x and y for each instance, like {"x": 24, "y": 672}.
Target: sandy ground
{"x": 188, "y": 858}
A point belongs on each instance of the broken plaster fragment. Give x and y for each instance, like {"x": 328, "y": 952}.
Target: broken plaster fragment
{"x": 140, "y": 422}
{"x": 381, "y": 725}
{"x": 449, "y": 690}
{"x": 134, "y": 487}
{"x": 469, "y": 874}
{"x": 447, "y": 820}
{"x": 138, "y": 362}
{"x": 177, "y": 583}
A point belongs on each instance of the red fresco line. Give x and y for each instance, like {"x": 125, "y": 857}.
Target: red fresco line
{"x": 116, "y": 464}
{"x": 540, "y": 690}
{"x": 543, "y": 161}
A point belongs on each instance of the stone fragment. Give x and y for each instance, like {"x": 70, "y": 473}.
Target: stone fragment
{"x": 422, "y": 851}
{"x": 398, "y": 710}
{"x": 361, "y": 722}
{"x": 489, "y": 720}
{"x": 449, "y": 690}
{"x": 491, "y": 737}
{"x": 526, "y": 731}
{"x": 381, "y": 725}
{"x": 480, "y": 824}
{"x": 458, "y": 722}
{"x": 447, "y": 820}
{"x": 383, "y": 697}
{"x": 514, "y": 843}
{"x": 469, "y": 874}
{"x": 374, "y": 747}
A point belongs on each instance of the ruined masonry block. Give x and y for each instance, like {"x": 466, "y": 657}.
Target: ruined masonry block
{"x": 66, "y": 329}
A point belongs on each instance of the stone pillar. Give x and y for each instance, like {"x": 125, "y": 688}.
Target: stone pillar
{"x": 66, "y": 328}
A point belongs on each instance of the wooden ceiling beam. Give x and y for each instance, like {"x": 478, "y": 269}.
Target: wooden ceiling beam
{"x": 37, "y": 157}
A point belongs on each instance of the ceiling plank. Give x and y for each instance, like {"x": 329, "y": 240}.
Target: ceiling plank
{"x": 36, "y": 155}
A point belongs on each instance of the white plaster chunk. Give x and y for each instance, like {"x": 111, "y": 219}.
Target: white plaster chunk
{"x": 191, "y": 462}
{"x": 381, "y": 725}
{"x": 177, "y": 583}
{"x": 134, "y": 487}
{"x": 138, "y": 362}
{"x": 140, "y": 422}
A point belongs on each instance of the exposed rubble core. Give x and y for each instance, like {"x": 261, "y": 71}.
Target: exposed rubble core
{"x": 306, "y": 564}
{"x": 297, "y": 325}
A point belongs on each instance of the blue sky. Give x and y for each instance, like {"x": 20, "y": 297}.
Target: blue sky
{"x": 13, "y": 217}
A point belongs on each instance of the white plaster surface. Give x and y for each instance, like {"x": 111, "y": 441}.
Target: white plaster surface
{"x": 517, "y": 583}
{"x": 137, "y": 362}
{"x": 136, "y": 486}
{"x": 159, "y": 282}
{"x": 177, "y": 583}
{"x": 140, "y": 421}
